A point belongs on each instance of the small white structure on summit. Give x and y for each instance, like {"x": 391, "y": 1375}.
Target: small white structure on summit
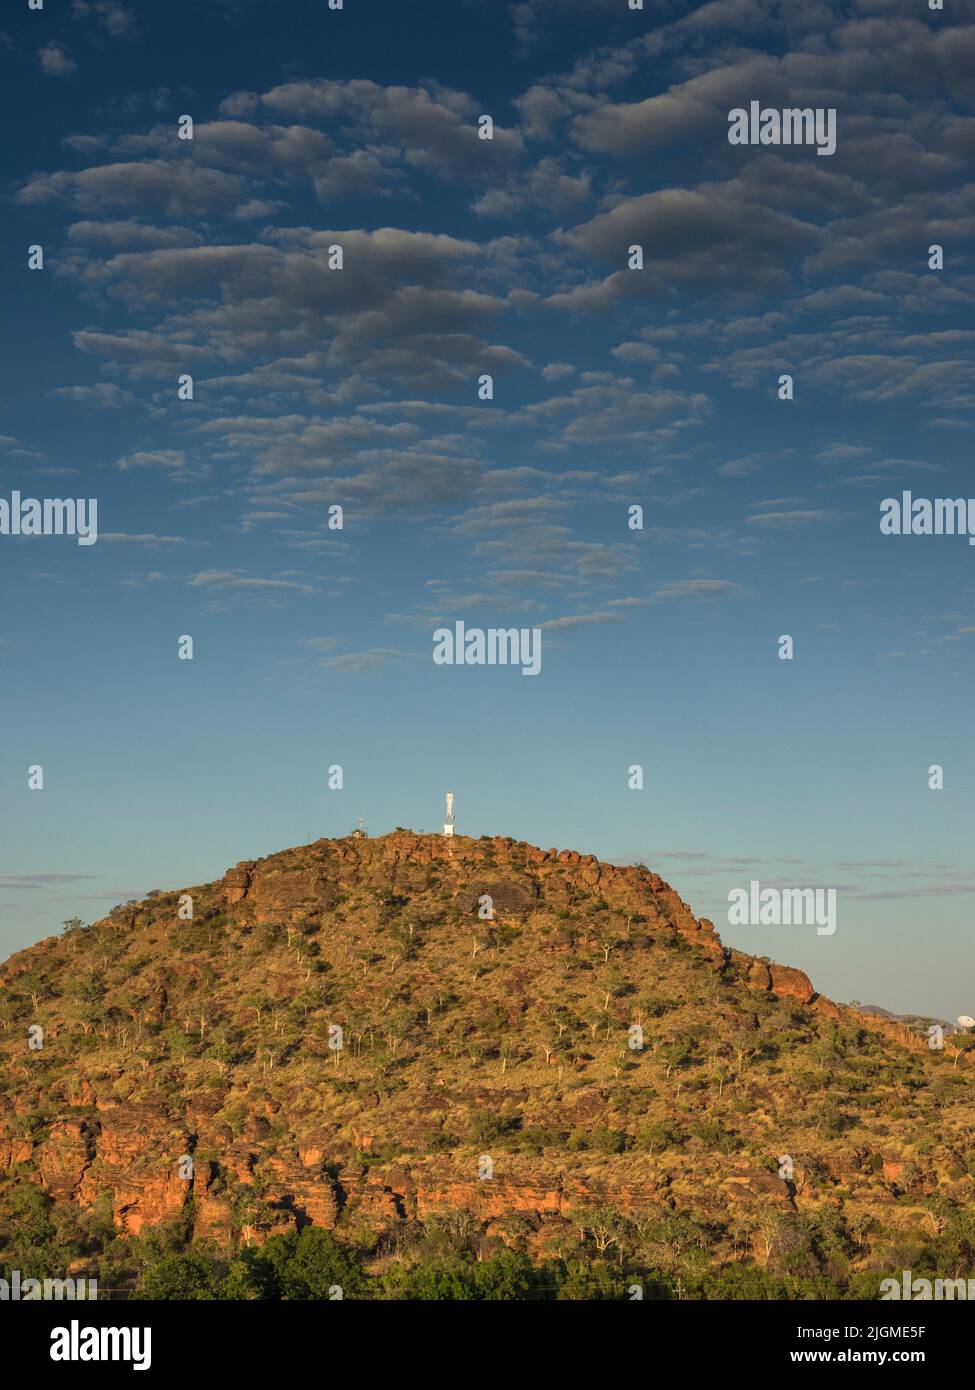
{"x": 448, "y": 825}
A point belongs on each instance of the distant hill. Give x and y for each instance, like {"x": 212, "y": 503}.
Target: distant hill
{"x": 483, "y": 1083}
{"x": 919, "y": 1023}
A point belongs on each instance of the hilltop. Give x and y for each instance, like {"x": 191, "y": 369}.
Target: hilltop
{"x": 189, "y": 1076}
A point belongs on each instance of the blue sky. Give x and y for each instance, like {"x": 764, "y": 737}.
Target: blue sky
{"x": 612, "y": 388}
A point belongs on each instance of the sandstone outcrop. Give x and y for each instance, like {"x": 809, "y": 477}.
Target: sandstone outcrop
{"x": 192, "y": 1070}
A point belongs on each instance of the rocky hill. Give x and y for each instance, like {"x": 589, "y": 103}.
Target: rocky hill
{"x": 343, "y": 1035}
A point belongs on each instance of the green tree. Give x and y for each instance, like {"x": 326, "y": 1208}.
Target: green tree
{"x": 587, "y": 1280}
{"x": 30, "y": 1241}
{"x": 311, "y": 1264}
{"x": 187, "y": 1277}
{"x": 503, "y": 1278}
{"x": 432, "y": 1281}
